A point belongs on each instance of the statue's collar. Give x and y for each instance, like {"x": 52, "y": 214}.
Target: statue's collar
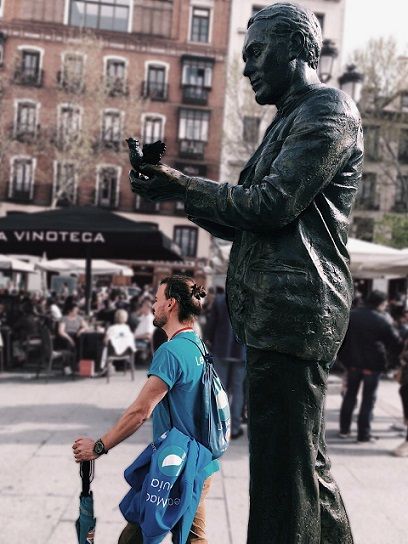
{"x": 288, "y": 101}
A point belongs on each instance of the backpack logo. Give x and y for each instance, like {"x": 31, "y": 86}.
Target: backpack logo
{"x": 171, "y": 460}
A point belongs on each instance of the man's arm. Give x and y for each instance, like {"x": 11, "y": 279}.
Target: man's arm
{"x": 320, "y": 141}
{"x": 151, "y": 394}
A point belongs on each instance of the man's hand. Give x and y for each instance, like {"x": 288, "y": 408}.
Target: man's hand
{"x": 162, "y": 183}
{"x": 83, "y": 449}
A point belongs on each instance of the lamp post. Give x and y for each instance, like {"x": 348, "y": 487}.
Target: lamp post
{"x": 351, "y": 82}
{"x": 327, "y": 55}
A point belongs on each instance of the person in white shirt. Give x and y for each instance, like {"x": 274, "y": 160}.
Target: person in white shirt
{"x": 119, "y": 339}
{"x": 119, "y": 335}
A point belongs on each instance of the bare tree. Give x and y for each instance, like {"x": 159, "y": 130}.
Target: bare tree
{"x": 83, "y": 132}
{"x": 384, "y": 109}
{"x": 245, "y": 120}
{"x": 5, "y": 139}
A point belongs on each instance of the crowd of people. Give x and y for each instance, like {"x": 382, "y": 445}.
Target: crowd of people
{"x": 376, "y": 342}
{"x": 113, "y": 312}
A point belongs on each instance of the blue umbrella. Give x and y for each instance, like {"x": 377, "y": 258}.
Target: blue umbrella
{"x": 85, "y": 524}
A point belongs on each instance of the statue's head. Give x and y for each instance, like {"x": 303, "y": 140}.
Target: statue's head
{"x": 278, "y": 37}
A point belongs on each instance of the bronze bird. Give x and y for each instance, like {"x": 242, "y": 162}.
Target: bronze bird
{"x": 149, "y": 154}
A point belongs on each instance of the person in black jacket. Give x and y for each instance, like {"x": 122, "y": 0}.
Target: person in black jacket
{"x": 364, "y": 354}
{"x": 229, "y": 357}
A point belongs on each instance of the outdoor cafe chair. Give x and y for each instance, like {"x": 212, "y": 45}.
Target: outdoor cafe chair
{"x": 128, "y": 357}
{"x": 49, "y": 356}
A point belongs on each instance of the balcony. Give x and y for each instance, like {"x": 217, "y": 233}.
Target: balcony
{"x": 26, "y": 134}
{"x": 70, "y": 84}
{"x": 116, "y": 86}
{"x": 193, "y": 94}
{"x": 20, "y": 196}
{"x": 29, "y": 78}
{"x": 193, "y": 149}
{"x": 155, "y": 91}
{"x": 400, "y": 207}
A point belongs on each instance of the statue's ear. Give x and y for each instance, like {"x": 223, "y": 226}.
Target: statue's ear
{"x": 297, "y": 45}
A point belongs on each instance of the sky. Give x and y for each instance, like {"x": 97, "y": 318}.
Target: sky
{"x": 367, "y": 19}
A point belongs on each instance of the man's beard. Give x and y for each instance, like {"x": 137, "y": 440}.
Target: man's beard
{"x": 159, "y": 321}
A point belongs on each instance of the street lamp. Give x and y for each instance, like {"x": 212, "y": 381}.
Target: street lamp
{"x": 327, "y": 55}
{"x": 351, "y": 82}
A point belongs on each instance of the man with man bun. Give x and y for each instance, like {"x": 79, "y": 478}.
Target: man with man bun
{"x": 289, "y": 287}
{"x": 174, "y": 385}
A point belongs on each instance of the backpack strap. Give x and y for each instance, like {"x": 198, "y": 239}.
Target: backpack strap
{"x": 213, "y": 466}
{"x": 208, "y": 358}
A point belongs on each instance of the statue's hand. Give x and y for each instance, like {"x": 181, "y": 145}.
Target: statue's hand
{"x": 159, "y": 182}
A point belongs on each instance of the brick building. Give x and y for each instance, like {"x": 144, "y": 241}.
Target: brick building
{"x": 79, "y": 76}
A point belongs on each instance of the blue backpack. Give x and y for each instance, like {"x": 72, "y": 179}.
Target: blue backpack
{"x": 215, "y": 410}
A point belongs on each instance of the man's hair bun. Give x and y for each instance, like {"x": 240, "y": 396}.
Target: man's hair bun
{"x": 198, "y": 291}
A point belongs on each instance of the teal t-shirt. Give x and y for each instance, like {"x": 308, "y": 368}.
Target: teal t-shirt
{"x": 180, "y": 364}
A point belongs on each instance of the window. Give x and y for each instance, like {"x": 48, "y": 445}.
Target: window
{"x": 251, "y": 129}
{"x": 72, "y": 76}
{"x": 186, "y": 239}
{"x": 363, "y": 228}
{"x": 367, "y": 197}
{"x": 200, "y": 25}
{"x": 194, "y": 125}
{"x": 155, "y": 87}
{"x": 111, "y": 128}
{"x": 152, "y": 129}
{"x": 108, "y": 187}
{"x": 26, "y": 120}
{"x": 401, "y": 194}
{"x": 102, "y": 14}
{"x": 404, "y": 101}
{"x": 144, "y": 205}
{"x": 403, "y": 146}
{"x": 29, "y": 72}
{"x": 320, "y": 18}
{"x": 22, "y": 182}
{"x": 65, "y": 183}
{"x": 371, "y": 141}
{"x": 69, "y": 123}
{"x": 115, "y": 77}
{"x": 153, "y": 17}
{"x": 193, "y": 132}
{"x": 196, "y": 79}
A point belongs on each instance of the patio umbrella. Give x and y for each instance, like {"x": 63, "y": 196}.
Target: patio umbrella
{"x": 100, "y": 267}
{"x": 84, "y": 232}
{"x": 15, "y": 265}
{"x": 85, "y": 524}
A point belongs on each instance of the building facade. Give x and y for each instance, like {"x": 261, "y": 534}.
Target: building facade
{"x": 381, "y": 211}
{"x": 79, "y": 76}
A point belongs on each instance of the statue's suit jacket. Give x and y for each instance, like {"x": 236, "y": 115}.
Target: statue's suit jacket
{"x": 289, "y": 286}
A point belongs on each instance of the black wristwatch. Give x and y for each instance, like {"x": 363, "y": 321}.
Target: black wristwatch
{"x": 99, "y": 447}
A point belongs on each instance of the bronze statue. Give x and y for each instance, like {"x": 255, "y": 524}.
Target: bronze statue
{"x": 289, "y": 287}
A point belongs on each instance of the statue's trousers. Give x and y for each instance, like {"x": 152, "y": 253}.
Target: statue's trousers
{"x": 293, "y": 497}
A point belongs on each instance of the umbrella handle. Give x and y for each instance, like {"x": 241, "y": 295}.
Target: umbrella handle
{"x": 87, "y": 473}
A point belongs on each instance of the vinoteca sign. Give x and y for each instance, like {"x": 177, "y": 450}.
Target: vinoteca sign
{"x": 52, "y": 236}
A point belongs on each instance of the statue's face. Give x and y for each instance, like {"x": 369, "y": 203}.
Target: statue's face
{"x": 267, "y": 63}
